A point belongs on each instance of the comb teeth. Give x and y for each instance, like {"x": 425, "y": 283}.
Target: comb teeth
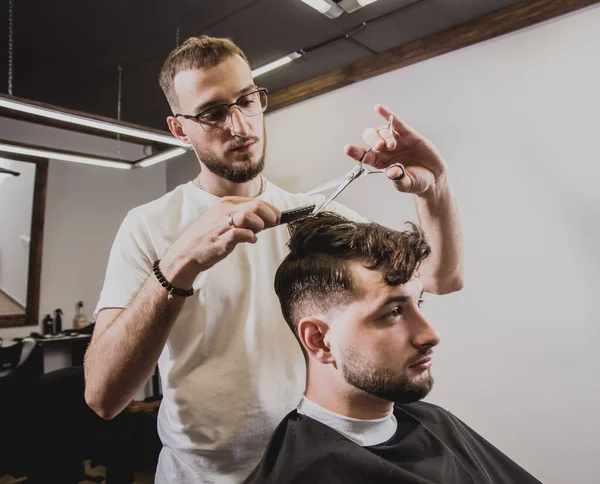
{"x": 294, "y": 214}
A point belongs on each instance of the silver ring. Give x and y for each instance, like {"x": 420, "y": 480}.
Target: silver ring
{"x": 230, "y": 220}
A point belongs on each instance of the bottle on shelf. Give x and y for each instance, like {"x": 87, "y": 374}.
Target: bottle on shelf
{"x": 80, "y": 320}
{"x": 57, "y": 321}
{"x": 47, "y": 325}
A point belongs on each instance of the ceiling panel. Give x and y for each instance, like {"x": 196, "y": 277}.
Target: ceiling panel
{"x": 424, "y": 18}
{"x": 67, "y": 52}
{"x": 320, "y": 61}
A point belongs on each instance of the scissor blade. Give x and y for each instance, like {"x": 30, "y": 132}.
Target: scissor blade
{"x": 327, "y": 185}
{"x": 339, "y": 190}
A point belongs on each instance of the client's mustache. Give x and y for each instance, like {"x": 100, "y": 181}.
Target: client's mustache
{"x": 422, "y": 354}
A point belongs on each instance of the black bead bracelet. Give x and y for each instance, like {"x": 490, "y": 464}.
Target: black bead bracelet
{"x": 164, "y": 283}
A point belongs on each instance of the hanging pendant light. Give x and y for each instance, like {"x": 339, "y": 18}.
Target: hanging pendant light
{"x": 66, "y": 119}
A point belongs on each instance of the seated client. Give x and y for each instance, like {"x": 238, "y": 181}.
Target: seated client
{"x": 351, "y": 294}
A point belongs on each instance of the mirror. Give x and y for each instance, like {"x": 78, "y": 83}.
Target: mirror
{"x": 23, "y": 203}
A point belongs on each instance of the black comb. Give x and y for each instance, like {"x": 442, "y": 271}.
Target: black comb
{"x": 294, "y": 214}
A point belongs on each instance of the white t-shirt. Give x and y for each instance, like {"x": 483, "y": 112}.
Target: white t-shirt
{"x": 231, "y": 368}
{"x": 362, "y": 432}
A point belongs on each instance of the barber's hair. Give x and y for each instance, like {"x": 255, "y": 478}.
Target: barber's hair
{"x": 195, "y": 53}
{"x": 315, "y": 276}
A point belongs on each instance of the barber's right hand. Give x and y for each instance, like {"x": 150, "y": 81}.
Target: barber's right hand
{"x": 214, "y": 235}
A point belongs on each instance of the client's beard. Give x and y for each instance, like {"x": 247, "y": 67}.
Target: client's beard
{"x": 382, "y": 383}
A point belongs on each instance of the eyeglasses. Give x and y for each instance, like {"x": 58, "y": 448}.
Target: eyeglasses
{"x": 216, "y": 117}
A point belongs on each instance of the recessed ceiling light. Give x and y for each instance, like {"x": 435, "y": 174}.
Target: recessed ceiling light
{"x": 326, "y": 7}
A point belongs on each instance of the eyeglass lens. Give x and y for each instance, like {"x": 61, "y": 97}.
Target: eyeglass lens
{"x": 250, "y": 105}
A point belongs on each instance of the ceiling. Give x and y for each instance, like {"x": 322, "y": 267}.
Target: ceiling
{"x": 68, "y": 53}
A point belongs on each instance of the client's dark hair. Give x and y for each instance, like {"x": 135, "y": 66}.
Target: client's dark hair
{"x": 315, "y": 274}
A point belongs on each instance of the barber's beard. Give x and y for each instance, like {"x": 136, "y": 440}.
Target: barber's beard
{"x": 239, "y": 171}
{"x": 383, "y": 383}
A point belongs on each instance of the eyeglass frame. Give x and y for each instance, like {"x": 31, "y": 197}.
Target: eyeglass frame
{"x": 229, "y": 106}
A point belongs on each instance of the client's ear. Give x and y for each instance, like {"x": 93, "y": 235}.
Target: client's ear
{"x": 312, "y": 333}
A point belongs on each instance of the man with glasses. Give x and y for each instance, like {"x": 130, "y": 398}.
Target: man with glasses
{"x": 189, "y": 282}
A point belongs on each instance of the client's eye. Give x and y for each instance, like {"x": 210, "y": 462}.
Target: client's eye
{"x": 421, "y": 302}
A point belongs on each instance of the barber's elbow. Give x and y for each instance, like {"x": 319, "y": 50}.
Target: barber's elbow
{"x": 456, "y": 284}
{"x": 449, "y": 285}
{"x": 100, "y": 404}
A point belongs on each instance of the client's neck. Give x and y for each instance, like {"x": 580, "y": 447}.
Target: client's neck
{"x": 328, "y": 389}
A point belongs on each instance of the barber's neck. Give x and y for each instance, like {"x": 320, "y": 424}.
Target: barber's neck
{"x": 326, "y": 386}
{"x": 220, "y": 187}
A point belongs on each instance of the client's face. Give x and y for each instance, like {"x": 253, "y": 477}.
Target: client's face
{"x": 382, "y": 341}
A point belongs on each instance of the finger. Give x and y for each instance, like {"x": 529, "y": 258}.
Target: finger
{"x": 357, "y": 152}
{"x": 274, "y": 209}
{"x": 242, "y": 219}
{"x": 235, "y": 236}
{"x": 373, "y": 140}
{"x": 239, "y": 200}
{"x": 398, "y": 125}
{"x": 416, "y": 179}
{"x": 268, "y": 212}
{"x": 388, "y": 138}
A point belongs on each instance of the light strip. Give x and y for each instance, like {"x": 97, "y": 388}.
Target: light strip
{"x": 275, "y": 64}
{"x": 153, "y": 160}
{"x": 91, "y": 123}
{"x": 64, "y": 157}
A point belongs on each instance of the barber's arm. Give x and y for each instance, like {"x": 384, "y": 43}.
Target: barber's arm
{"x": 424, "y": 173}
{"x": 127, "y": 342}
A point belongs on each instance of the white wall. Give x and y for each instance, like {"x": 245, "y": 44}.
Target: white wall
{"x": 517, "y": 119}
{"x": 182, "y": 169}
{"x": 84, "y": 208}
{"x": 16, "y": 203}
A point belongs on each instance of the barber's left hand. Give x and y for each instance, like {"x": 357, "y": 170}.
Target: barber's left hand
{"x": 422, "y": 162}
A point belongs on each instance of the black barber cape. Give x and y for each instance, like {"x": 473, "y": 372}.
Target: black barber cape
{"x": 430, "y": 446}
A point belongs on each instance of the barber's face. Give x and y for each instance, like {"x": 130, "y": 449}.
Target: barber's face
{"x": 236, "y": 151}
{"x": 382, "y": 342}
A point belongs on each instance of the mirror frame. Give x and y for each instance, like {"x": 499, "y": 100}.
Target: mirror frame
{"x": 36, "y": 242}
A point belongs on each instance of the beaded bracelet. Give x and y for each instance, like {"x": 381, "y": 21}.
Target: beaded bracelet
{"x": 164, "y": 283}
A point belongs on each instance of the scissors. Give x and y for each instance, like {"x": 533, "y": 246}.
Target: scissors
{"x": 359, "y": 170}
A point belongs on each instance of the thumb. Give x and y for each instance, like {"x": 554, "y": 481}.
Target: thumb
{"x": 414, "y": 179}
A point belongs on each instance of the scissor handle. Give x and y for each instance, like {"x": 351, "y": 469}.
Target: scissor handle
{"x": 362, "y": 158}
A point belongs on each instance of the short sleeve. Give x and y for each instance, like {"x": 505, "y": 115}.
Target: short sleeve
{"x": 129, "y": 264}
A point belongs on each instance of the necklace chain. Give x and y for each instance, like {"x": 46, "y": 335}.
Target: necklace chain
{"x": 196, "y": 181}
